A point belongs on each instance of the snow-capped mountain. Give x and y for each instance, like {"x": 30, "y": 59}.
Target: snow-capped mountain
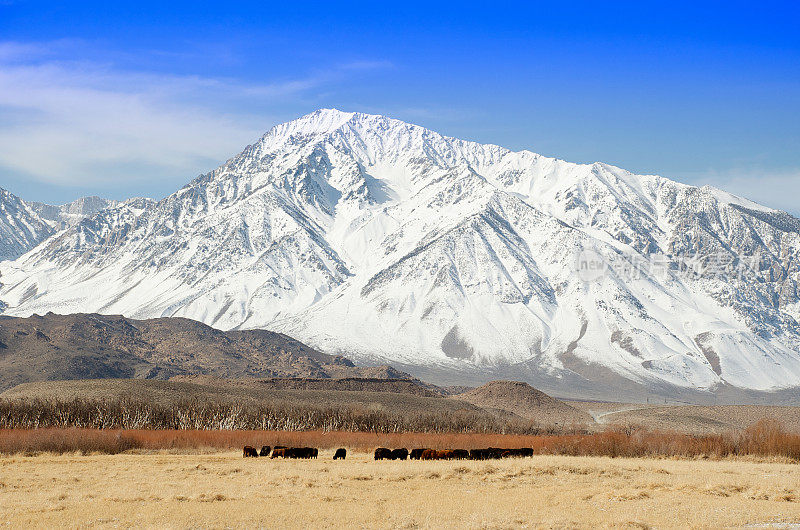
{"x": 71, "y": 213}
{"x": 25, "y": 224}
{"x": 367, "y": 236}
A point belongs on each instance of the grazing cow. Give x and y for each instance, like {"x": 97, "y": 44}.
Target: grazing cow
{"x": 517, "y": 453}
{"x": 382, "y": 453}
{"x": 265, "y": 450}
{"x": 497, "y": 452}
{"x": 432, "y": 454}
{"x": 416, "y": 453}
{"x": 298, "y": 452}
{"x": 399, "y": 454}
{"x": 279, "y": 452}
{"x": 494, "y": 452}
{"x": 477, "y": 454}
{"x": 460, "y": 454}
{"x": 428, "y": 454}
{"x": 340, "y": 454}
{"x": 249, "y": 452}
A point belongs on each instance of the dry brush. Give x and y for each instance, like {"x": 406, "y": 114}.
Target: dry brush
{"x": 120, "y": 425}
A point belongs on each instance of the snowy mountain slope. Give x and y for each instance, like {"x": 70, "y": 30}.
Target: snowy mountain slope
{"x": 368, "y": 236}
{"x": 21, "y": 228}
{"x": 25, "y": 224}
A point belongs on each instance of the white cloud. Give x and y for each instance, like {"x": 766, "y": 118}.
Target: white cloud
{"x": 73, "y": 122}
{"x": 85, "y": 123}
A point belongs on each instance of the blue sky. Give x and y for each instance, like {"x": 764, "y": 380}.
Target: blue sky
{"x": 129, "y": 99}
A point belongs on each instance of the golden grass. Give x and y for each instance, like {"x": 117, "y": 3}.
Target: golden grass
{"x": 225, "y": 490}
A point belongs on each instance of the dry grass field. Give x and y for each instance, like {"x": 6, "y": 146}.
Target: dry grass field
{"x": 705, "y": 467}
{"x": 225, "y": 490}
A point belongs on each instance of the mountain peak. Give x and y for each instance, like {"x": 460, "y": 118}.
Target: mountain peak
{"x": 324, "y": 120}
{"x": 321, "y": 121}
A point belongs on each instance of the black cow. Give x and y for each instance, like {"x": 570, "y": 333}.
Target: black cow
{"x": 460, "y": 454}
{"x": 340, "y": 454}
{"x": 382, "y": 453}
{"x": 486, "y": 454}
{"x": 518, "y": 453}
{"x": 301, "y": 452}
{"x": 477, "y": 454}
{"x": 399, "y": 454}
{"x": 495, "y": 452}
{"x": 265, "y": 450}
{"x": 249, "y": 452}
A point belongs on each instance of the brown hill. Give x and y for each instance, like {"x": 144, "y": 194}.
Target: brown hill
{"x": 91, "y": 346}
{"x": 523, "y": 400}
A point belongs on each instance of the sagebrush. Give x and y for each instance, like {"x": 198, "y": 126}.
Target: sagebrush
{"x": 282, "y": 416}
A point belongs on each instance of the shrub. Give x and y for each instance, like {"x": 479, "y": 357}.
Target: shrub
{"x": 197, "y": 415}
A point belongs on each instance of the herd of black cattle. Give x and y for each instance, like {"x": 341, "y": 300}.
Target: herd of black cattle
{"x": 281, "y": 451}
{"x": 382, "y": 453}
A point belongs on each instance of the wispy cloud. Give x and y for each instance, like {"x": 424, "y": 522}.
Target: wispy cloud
{"x": 88, "y": 123}
{"x": 12, "y": 51}
{"x": 776, "y": 189}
